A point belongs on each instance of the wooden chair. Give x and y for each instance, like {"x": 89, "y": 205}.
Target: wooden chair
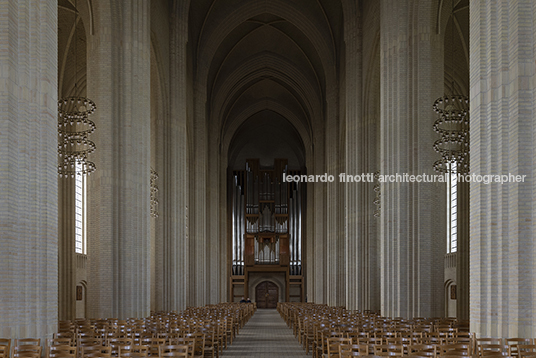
{"x": 168, "y": 337}
{"x": 185, "y": 341}
{"x": 404, "y": 341}
{"x": 357, "y": 335}
{"x": 63, "y": 351}
{"x": 527, "y": 350}
{"x": 353, "y": 350}
{"x": 229, "y": 329}
{"x": 456, "y": 349}
{"x": 27, "y": 347}
{"x": 174, "y": 351}
{"x": 88, "y": 342}
{"x": 429, "y": 350}
{"x": 307, "y": 333}
{"x": 514, "y": 343}
{"x": 211, "y": 341}
{"x": 134, "y": 351}
{"x": 495, "y": 350}
{"x": 333, "y": 344}
{"x": 432, "y": 339}
{"x": 117, "y": 344}
{"x": 27, "y": 350}
{"x": 322, "y": 346}
{"x": 388, "y": 350}
{"x": 414, "y": 337}
{"x": 6, "y": 342}
{"x": 96, "y": 352}
{"x": 385, "y": 335}
{"x": 371, "y": 342}
{"x": 153, "y": 345}
{"x": 4, "y": 352}
{"x": 199, "y": 345}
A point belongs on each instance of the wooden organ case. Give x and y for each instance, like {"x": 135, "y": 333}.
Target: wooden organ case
{"x": 267, "y": 233}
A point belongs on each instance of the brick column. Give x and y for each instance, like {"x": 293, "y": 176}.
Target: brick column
{"x": 174, "y": 195}
{"x": 28, "y": 168}
{"x": 334, "y": 250}
{"x": 413, "y": 214}
{"x": 502, "y": 94}
{"x": 118, "y": 192}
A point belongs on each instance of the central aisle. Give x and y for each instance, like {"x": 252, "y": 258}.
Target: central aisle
{"x": 265, "y": 335}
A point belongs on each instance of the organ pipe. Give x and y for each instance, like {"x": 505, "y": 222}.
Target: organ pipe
{"x": 263, "y": 203}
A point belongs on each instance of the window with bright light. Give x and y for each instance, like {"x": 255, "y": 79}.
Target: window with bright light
{"x": 452, "y": 211}
{"x": 80, "y": 213}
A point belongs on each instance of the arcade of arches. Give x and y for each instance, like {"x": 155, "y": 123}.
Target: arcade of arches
{"x": 223, "y": 98}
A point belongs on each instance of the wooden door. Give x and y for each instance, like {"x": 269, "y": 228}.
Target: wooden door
{"x": 266, "y": 295}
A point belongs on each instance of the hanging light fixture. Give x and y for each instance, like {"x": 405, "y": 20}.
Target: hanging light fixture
{"x": 74, "y": 128}
{"x": 153, "y": 191}
{"x": 452, "y": 125}
{"x": 377, "y": 200}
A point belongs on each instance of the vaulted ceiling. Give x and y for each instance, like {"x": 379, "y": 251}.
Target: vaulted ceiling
{"x": 265, "y": 64}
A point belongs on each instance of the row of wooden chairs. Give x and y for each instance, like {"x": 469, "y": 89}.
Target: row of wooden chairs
{"x": 22, "y": 348}
{"x": 333, "y": 331}
{"x": 204, "y": 331}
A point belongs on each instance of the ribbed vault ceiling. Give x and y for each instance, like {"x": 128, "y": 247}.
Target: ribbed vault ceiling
{"x": 265, "y": 64}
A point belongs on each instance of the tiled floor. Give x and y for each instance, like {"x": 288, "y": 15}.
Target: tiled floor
{"x": 265, "y": 335}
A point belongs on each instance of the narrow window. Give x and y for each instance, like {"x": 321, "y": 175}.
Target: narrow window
{"x": 452, "y": 211}
{"x": 80, "y": 212}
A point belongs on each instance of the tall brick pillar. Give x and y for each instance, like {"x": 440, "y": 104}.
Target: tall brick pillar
{"x": 118, "y": 192}
{"x": 412, "y": 214}
{"x": 28, "y": 169}
{"x": 503, "y": 137}
{"x": 173, "y": 269}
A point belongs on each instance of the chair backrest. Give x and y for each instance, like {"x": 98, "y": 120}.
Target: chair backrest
{"x": 185, "y": 341}
{"x": 154, "y": 349}
{"x": 134, "y": 351}
{"x": 488, "y": 349}
{"x": 174, "y": 351}
{"x": 352, "y": 350}
{"x": 199, "y": 346}
{"x": 28, "y": 341}
{"x": 423, "y": 350}
{"x": 455, "y": 349}
{"x": 514, "y": 343}
{"x": 527, "y": 350}
{"x": 95, "y": 351}
{"x": 333, "y": 344}
{"x": 89, "y": 341}
{"x": 6, "y": 342}
{"x": 487, "y": 340}
{"x": 63, "y": 341}
{"x": 4, "y": 352}
{"x": 388, "y": 349}
{"x": 117, "y": 345}
{"x": 27, "y": 350}
{"x": 60, "y": 351}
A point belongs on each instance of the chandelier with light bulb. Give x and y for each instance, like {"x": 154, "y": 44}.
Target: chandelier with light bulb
{"x": 153, "y": 192}
{"x": 74, "y": 128}
{"x": 377, "y": 200}
{"x": 452, "y": 125}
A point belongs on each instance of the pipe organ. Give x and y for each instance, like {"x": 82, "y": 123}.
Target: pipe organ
{"x": 266, "y": 226}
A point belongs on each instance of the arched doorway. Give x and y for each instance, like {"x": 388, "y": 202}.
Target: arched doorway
{"x": 266, "y": 294}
